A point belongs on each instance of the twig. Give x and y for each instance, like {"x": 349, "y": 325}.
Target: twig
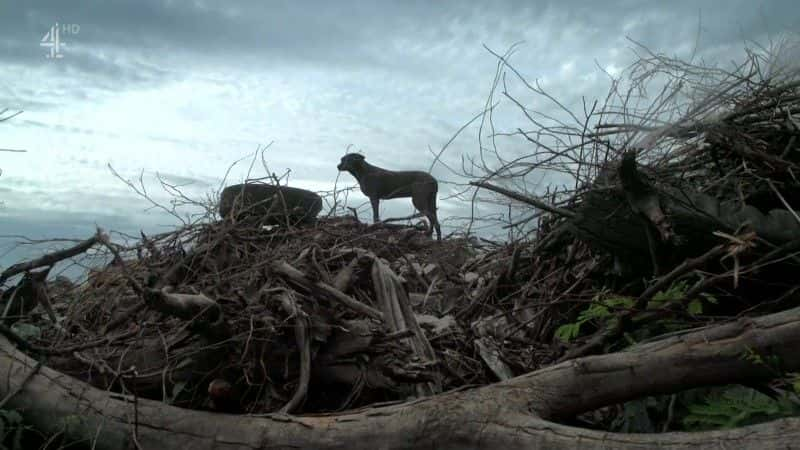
{"x": 684, "y": 268}
{"x": 51, "y": 258}
{"x": 525, "y": 199}
{"x": 783, "y": 200}
{"x": 601, "y": 337}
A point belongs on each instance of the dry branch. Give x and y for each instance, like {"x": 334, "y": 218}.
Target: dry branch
{"x": 304, "y": 344}
{"x": 398, "y": 316}
{"x": 334, "y": 315}
{"x": 51, "y": 258}
{"x": 512, "y": 414}
{"x": 300, "y": 279}
{"x": 524, "y": 198}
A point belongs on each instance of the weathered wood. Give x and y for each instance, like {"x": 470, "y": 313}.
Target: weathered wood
{"x": 513, "y": 415}
{"x": 398, "y": 316}
{"x": 52, "y": 258}
{"x": 300, "y": 279}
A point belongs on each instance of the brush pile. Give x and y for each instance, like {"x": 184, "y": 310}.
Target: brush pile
{"x": 683, "y": 217}
{"x": 236, "y": 317}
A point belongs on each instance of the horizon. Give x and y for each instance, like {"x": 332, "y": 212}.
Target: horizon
{"x": 186, "y": 90}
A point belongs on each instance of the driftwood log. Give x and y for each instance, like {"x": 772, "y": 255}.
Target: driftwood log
{"x": 514, "y": 414}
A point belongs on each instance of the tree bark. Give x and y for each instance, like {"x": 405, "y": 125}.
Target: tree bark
{"x": 514, "y": 414}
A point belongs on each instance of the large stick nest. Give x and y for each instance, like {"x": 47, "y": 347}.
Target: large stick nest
{"x": 230, "y": 316}
{"x": 682, "y": 215}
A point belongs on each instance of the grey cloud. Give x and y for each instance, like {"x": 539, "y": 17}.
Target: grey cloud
{"x": 360, "y": 33}
{"x": 122, "y": 43}
{"x": 178, "y": 180}
{"x": 279, "y": 29}
{"x": 390, "y": 77}
{"x": 63, "y": 128}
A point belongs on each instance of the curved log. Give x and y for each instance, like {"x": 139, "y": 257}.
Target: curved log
{"x": 512, "y": 415}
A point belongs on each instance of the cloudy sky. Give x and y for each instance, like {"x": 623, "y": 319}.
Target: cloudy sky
{"x": 186, "y": 88}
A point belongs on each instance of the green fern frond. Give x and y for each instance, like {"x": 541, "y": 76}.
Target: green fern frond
{"x": 735, "y": 407}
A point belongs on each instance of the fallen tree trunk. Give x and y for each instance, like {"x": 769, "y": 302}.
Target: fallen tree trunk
{"x": 513, "y": 414}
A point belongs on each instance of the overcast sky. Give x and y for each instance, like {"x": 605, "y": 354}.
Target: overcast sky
{"x": 185, "y": 88}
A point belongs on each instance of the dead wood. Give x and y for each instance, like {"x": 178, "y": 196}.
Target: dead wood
{"x": 51, "y": 258}
{"x": 681, "y": 217}
{"x": 304, "y": 344}
{"x": 524, "y": 198}
{"x": 184, "y": 306}
{"x": 398, "y": 316}
{"x": 511, "y": 414}
{"x": 296, "y": 276}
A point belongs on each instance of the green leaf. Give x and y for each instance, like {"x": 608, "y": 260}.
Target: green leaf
{"x": 672, "y": 294}
{"x": 595, "y": 311}
{"x": 568, "y": 331}
{"x": 598, "y": 310}
{"x": 619, "y": 302}
{"x": 695, "y": 307}
{"x": 737, "y": 406}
